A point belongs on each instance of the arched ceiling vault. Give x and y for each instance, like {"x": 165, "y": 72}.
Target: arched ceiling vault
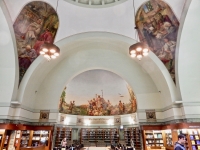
{"x": 44, "y": 81}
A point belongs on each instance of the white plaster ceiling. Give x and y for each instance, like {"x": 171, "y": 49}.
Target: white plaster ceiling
{"x": 44, "y": 81}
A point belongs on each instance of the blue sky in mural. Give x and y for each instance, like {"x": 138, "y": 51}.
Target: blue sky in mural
{"x": 86, "y": 85}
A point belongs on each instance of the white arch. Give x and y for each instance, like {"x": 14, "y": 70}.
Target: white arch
{"x": 42, "y": 86}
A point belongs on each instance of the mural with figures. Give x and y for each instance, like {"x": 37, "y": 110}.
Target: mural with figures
{"x": 158, "y": 27}
{"x": 97, "y": 93}
{"x": 37, "y": 23}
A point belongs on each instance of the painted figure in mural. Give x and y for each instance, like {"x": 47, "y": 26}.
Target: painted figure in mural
{"x": 158, "y": 27}
{"x": 32, "y": 32}
{"x": 120, "y": 107}
{"x": 26, "y": 58}
{"x": 72, "y": 105}
{"x": 124, "y": 108}
{"x": 167, "y": 53}
{"x": 44, "y": 37}
{"x": 62, "y": 99}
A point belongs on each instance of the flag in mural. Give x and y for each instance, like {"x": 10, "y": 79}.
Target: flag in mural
{"x": 148, "y": 7}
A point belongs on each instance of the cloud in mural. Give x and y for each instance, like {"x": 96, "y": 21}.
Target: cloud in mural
{"x": 97, "y": 93}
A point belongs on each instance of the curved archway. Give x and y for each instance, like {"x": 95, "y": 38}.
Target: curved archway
{"x": 96, "y": 50}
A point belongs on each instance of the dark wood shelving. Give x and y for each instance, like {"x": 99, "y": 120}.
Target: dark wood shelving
{"x": 100, "y": 136}
{"x": 61, "y": 133}
{"x": 133, "y": 133}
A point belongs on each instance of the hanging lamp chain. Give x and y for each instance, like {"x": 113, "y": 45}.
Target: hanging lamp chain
{"x": 136, "y": 33}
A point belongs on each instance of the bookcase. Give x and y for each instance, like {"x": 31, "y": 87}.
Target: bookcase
{"x": 135, "y": 134}
{"x": 40, "y": 135}
{"x": 62, "y": 133}
{"x": 100, "y": 136}
{"x": 169, "y": 140}
{"x": 6, "y": 140}
{"x": 25, "y": 138}
{"x": 25, "y": 135}
{"x": 1, "y": 138}
{"x": 153, "y": 139}
{"x": 194, "y": 138}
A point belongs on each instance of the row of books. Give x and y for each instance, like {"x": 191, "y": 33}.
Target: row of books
{"x": 194, "y": 137}
{"x": 154, "y": 145}
{"x": 195, "y": 142}
{"x": 152, "y": 141}
{"x": 195, "y": 147}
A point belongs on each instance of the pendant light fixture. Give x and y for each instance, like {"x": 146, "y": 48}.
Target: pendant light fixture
{"x": 50, "y": 50}
{"x": 139, "y": 49}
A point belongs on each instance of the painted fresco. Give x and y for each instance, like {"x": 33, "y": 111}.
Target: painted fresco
{"x": 37, "y": 23}
{"x": 158, "y": 27}
{"x": 97, "y": 93}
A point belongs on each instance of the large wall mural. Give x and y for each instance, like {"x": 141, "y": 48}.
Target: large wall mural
{"x": 97, "y": 93}
{"x": 158, "y": 27}
{"x": 37, "y": 23}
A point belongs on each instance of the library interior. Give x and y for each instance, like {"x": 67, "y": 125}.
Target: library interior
{"x": 132, "y": 56}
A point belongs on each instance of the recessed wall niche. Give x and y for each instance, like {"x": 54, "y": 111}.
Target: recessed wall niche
{"x": 97, "y": 93}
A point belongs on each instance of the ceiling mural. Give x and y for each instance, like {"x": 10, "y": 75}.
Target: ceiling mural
{"x": 37, "y": 23}
{"x": 97, "y": 93}
{"x": 158, "y": 27}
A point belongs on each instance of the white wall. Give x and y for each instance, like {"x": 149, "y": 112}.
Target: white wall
{"x": 8, "y": 60}
{"x": 188, "y": 64}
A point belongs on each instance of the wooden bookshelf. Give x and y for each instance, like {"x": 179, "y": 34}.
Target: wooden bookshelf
{"x": 100, "y": 136}
{"x": 39, "y": 135}
{"x": 6, "y": 140}
{"x": 25, "y": 138}
{"x": 135, "y": 134}
{"x": 169, "y": 140}
{"x": 154, "y": 139}
{"x": 62, "y": 133}
{"x": 1, "y": 139}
